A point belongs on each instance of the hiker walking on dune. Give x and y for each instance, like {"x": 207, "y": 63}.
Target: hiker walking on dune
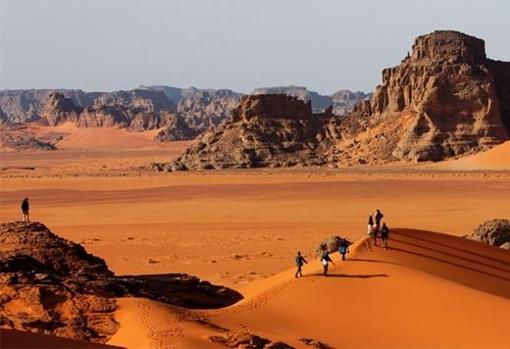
{"x": 343, "y": 249}
{"x": 372, "y": 229}
{"x": 370, "y": 223}
{"x": 24, "y": 209}
{"x": 384, "y": 235}
{"x": 378, "y": 217}
{"x": 325, "y": 260}
{"x": 300, "y": 260}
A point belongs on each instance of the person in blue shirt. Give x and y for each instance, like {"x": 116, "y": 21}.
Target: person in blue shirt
{"x": 343, "y": 249}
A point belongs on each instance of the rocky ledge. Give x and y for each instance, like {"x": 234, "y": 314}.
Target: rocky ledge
{"x": 53, "y": 286}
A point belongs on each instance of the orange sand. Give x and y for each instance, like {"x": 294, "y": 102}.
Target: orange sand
{"x": 242, "y": 229}
{"x": 427, "y": 290}
{"x": 497, "y": 158}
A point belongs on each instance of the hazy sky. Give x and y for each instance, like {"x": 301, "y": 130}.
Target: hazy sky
{"x": 237, "y": 44}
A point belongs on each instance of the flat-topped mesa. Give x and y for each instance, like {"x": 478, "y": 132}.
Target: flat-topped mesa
{"x": 441, "y": 101}
{"x": 272, "y": 106}
{"x": 446, "y": 46}
{"x": 265, "y": 131}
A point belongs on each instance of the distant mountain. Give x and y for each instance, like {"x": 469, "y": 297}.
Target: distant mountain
{"x": 342, "y": 101}
{"x": 185, "y": 112}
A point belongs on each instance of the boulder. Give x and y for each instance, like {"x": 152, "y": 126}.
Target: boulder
{"x": 331, "y": 245}
{"x": 495, "y": 232}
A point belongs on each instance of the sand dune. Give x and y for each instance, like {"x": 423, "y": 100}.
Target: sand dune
{"x": 427, "y": 290}
{"x": 497, "y": 159}
{"x": 102, "y": 138}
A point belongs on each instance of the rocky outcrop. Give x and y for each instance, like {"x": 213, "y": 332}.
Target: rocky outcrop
{"x": 21, "y": 137}
{"x": 265, "y": 130}
{"x": 247, "y": 340}
{"x": 22, "y": 106}
{"x": 342, "y": 101}
{"x": 134, "y": 111}
{"x": 331, "y": 245}
{"x": 202, "y": 109}
{"x": 59, "y": 109}
{"x": 177, "y": 130}
{"x": 53, "y": 286}
{"x": 442, "y": 101}
{"x": 495, "y": 232}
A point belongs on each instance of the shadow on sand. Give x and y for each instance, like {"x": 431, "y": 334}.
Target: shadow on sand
{"x": 354, "y": 276}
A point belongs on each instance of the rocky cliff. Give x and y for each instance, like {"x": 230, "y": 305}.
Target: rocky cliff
{"x": 53, "y": 286}
{"x": 445, "y": 99}
{"x": 134, "y": 111}
{"x": 265, "y": 130}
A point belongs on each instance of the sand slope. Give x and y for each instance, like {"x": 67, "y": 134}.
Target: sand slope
{"x": 428, "y": 290}
{"x": 497, "y": 159}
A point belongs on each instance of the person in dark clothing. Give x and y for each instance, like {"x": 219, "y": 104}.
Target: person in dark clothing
{"x": 370, "y": 222}
{"x": 378, "y": 217}
{"x": 300, "y": 260}
{"x": 25, "y": 208}
{"x": 372, "y": 229}
{"x": 325, "y": 260}
{"x": 343, "y": 249}
{"x": 384, "y": 235}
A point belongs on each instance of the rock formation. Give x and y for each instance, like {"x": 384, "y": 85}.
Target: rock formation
{"x": 59, "y": 109}
{"x": 247, "y": 340}
{"x": 342, "y": 101}
{"x": 186, "y": 112}
{"x": 442, "y": 101}
{"x": 22, "y": 137}
{"x": 265, "y": 130}
{"x": 53, "y": 286}
{"x": 495, "y": 232}
{"x": 135, "y": 112}
{"x": 331, "y": 245}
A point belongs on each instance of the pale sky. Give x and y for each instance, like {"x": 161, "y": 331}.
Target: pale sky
{"x": 238, "y": 44}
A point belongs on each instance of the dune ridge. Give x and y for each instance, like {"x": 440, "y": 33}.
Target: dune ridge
{"x": 428, "y": 290}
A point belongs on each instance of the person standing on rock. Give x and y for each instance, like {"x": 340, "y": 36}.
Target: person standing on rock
{"x": 24, "y": 209}
{"x": 300, "y": 261}
{"x": 384, "y": 236}
{"x": 325, "y": 260}
{"x": 343, "y": 249}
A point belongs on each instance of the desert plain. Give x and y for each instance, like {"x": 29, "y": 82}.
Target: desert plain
{"x": 242, "y": 229}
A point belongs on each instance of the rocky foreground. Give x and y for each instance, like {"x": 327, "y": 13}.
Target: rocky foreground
{"x": 445, "y": 99}
{"x": 53, "y": 286}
